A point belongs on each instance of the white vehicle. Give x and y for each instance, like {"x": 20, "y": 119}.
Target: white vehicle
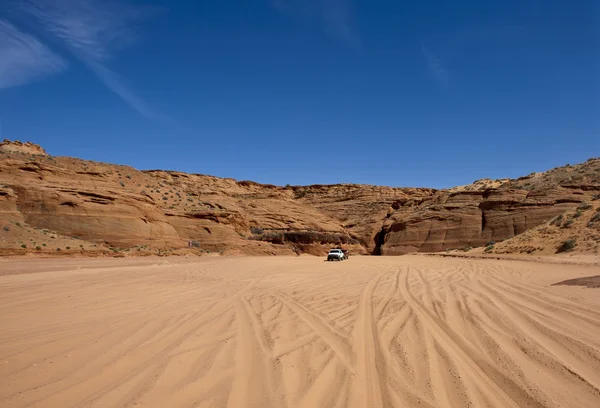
{"x": 336, "y": 255}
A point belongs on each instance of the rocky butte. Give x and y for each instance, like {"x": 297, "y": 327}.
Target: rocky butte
{"x": 63, "y": 205}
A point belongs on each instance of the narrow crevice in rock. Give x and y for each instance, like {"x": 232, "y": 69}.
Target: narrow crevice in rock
{"x": 379, "y": 241}
{"x": 483, "y": 221}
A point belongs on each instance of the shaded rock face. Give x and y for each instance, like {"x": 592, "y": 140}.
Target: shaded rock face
{"x": 119, "y": 206}
{"x": 361, "y": 209}
{"x": 458, "y": 220}
{"x": 575, "y": 230}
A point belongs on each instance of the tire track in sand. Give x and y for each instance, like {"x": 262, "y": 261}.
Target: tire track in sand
{"x": 323, "y": 330}
{"x": 575, "y": 360}
{"x": 254, "y": 384}
{"x": 500, "y": 390}
{"x": 359, "y": 334}
{"x": 368, "y": 393}
{"x": 389, "y": 295}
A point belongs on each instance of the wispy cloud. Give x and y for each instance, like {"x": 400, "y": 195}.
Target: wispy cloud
{"x": 93, "y": 31}
{"x": 435, "y": 66}
{"x": 24, "y": 58}
{"x": 335, "y": 15}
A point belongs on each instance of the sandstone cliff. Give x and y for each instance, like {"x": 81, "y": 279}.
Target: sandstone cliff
{"x": 61, "y": 205}
{"x": 575, "y": 230}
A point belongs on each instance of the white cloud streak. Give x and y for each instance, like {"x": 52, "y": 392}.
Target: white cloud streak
{"x": 116, "y": 84}
{"x": 92, "y": 31}
{"x": 335, "y": 15}
{"x": 24, "y": 59}
{"x": 434, "y": 65}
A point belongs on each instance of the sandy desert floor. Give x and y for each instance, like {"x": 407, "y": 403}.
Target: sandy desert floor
{"x": 410, "y": 331}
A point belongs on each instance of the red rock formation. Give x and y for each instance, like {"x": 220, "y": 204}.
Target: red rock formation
{"x": 120, "y": 207}
{"x": 456, "y": 220}
{"x": 27, "y": 147}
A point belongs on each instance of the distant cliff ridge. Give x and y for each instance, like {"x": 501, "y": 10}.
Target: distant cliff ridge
{"x": 104, "y": 208}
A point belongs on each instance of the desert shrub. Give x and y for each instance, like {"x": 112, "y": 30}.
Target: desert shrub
{"x": 577, "y": 214}
{"x": 196, "y": 244}
{"x": 39, "y": 248}
{"x": 467, "y": 248}
{"x": 68, "y": 247}
{"x": 23, "y": 246}
{"x": 18, "y": 224}
{"x": 6, "y": 228}
{"x": 256, "y": 230}
{"x": 596, "y": 197}
{"x": 57, "y": 249}
{"x": 489, "y": 248}
{"x": 566, "y": 246}
{"x": 567, "y": 223}
{"x": 595, "y": 217}
{"x": 490, "y": 243}
{"x": 128, "y": 176}
{"x": 274, "y": 237}
{"x": 309, "y": 237}
{"x": 304, "y": 237}
{"x": 300, "y": 193}
{"x": 557, "y": 221}
{"x": 165, "y": 198}
{"x": 44, "y": 244}
{"x": 584, "y": 206}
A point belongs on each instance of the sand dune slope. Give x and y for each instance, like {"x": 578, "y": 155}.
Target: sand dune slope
{"x": 299, "y": 332}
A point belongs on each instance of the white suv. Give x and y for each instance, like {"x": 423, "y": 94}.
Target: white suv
{"x": 336, "y": 255}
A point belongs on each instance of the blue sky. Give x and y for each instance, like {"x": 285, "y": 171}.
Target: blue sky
{"x": 401, "y": 93}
